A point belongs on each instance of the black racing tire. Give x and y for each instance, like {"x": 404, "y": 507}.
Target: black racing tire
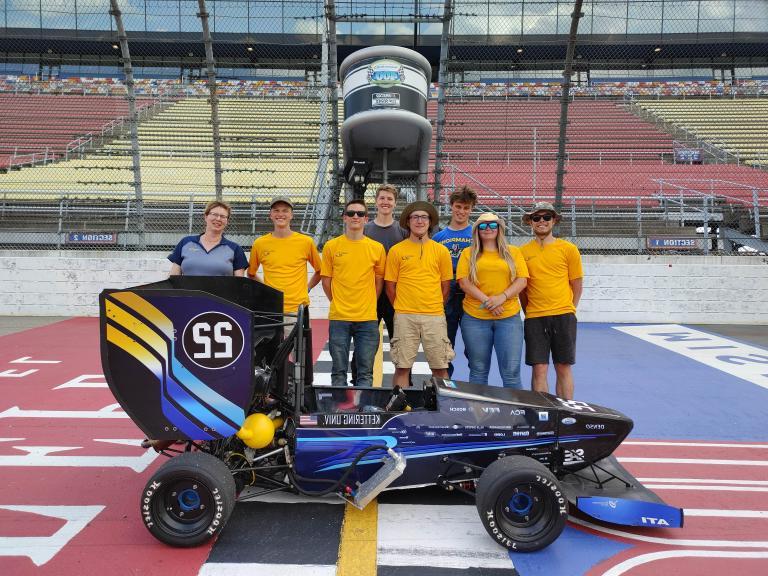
{"x": 188, "y": 500}
{"x": 521, "y": 503}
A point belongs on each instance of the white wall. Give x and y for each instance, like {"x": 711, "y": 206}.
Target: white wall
{"x": 680, "y": 289}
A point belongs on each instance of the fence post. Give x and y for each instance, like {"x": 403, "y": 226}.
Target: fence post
{"x": 639, "y": 218}
{"x": 756, "y": 212}
{"x": 706, "y": 226}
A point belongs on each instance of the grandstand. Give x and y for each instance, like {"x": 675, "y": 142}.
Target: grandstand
{"x": 42, "y": 128}
{"x": 738, "y": 127}
{"x": 639, "y": 95}
{"x": 266, "y": 145}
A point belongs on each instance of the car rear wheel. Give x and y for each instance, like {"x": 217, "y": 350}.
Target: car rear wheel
{"x": 188, "y": 500}
{"x": 521, "y": 504}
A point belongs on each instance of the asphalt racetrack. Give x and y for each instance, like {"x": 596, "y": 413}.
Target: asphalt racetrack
{"x": 72, "y": 472}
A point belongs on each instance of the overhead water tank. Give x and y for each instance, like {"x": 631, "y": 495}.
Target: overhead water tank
{"x": 385, "y": 92}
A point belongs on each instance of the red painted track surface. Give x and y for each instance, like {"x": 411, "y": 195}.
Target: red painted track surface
{"x": 114, "y": 541}
{"x": 38, "y": 470}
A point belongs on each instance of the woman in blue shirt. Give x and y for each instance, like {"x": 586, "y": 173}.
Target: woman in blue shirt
{"x": 210, "y": 253}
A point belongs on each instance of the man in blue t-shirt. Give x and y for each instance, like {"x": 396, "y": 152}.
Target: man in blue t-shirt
{"x": 456, "y": 237}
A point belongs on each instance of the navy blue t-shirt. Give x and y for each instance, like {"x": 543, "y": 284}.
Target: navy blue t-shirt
{"x": 222, "y": 260}
{"x": 455, "y": 241}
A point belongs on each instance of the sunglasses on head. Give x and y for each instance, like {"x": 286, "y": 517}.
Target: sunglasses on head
{"x": 488, "y": 226}
{"x": 545, "y": 217}
{"x": 358, "y": 213}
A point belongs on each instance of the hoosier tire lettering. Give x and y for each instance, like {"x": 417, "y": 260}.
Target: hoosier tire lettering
{"x": 521, "y": 504}
{"x": 189, "y": 499}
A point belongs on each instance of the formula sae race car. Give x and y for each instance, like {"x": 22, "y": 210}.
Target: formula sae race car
{"x": 202, "y": 366}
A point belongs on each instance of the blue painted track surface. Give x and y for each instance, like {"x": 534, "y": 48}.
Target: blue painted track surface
{"x": 668, "y": 395}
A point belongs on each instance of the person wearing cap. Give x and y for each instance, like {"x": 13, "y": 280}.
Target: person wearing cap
{"x": 550, "y": 300}
{"x": 492, "y": 274}
{"x": 417, "y": 279}
{"x": 209, "y": 253}
{"x": 283, "y": 256}
{"x": 456, "y": 237}
{"x": 353, "y": 275}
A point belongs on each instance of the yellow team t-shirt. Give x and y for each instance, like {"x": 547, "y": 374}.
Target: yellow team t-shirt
{"x": 493, "y": 278}
{"x": 419, "y": 269}
{"x": 284, "y": 263}
{"x": 551, "y": 268}
{"x": 353, "y": 266}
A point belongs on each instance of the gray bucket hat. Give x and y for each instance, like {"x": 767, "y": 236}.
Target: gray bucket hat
{"x": 541, "y": 207}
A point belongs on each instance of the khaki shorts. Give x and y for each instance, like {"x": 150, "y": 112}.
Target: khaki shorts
{"x": 414, "y": 329}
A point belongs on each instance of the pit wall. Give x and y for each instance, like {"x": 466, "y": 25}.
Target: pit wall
{"x": 643, "y": 289}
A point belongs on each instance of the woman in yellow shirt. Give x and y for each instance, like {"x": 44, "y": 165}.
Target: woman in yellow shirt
{"x": 491, "y": 273}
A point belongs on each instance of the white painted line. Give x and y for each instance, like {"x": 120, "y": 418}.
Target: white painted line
{"x": 110, "y": 411}
{"x": 455, "y": 539}
{"x": 28, "y": 360}
{"x": 46, "y": 456}
{"x": 705, "y": 487}
{"x": 80, "y": 382}
{"x": 670, "y": 541}
{"x": 40, "y": 549}
{"x": 233, "y": 569}
{"x": 418, "y": 369}
{"x": 636, "y": 561}
{"x": 693, "y": 444}
{"x": 725, "y": 513}
{"x": 704, "y": 481}
{"x": 743, "y": 361}
{"x": 696, "y": 461}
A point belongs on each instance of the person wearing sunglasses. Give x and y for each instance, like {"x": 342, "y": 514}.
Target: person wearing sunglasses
{"x": 492, "y": 274}
{"x": 386, "y": 230}
{"x": 417, "y": 279}
{"x": 550, "y": 301}
{"x": 209, "y": 253}
{"x": 353, "y": 275}
{"x": 283, "y": 256}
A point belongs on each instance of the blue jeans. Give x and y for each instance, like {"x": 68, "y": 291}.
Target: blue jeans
{"x": 481, "y": 337}
{"x": 366, "y": 338}
{"x": 454, "y": 310}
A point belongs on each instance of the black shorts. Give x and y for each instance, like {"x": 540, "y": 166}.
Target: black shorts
{"x": 550, "y": 333}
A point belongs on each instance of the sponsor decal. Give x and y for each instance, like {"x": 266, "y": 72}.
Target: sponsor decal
{"x": 573, "y": 457}
{"x": 385, "y": 73}
{"x": 543, "y": 416}
{"x": 545, "y": 433}
{"x": 654, "y": 521}
{"x": 491, "y": 409}
{"x": 353, "y": 420}
{"x": 609, "y": 503}
{"x": 595, "y": 426}
{"x": 576, "y": 405}
{"x": 517, "y": 412}
{"x": 457, "y": 409}
{"x": 385, "y": 100}
{"x": 568, "y": 421}
{"x": 212, "y": 340}
{"x": 452, "y": 435}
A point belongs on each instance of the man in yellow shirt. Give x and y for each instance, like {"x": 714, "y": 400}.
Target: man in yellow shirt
{"x": 353, "y": 274}
{"x": 418, "y": 279}
{"x": 550, "y": 300}
{"x": 283, "y": 256}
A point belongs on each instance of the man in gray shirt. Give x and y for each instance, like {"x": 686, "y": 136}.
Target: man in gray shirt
{"x": 387, "y": 231}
